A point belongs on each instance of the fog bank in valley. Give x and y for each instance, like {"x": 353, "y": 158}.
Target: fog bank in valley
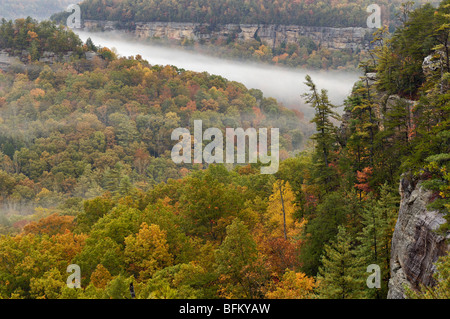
{"x": 286, "y": 85}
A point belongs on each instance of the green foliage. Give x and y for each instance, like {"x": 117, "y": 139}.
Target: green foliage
{"x": 35, "y": 38}
{"x": 378, "y": 219}
{"x": 118, "y": 288}
{"x": 439, "y": 184}
{"x": 237, "y": 260}
{"x": 325, "y": 137}
{"x": 400, "y": 60}
{"x": 104, "y": 125}
{"x": 334, "y": 210}
{"x": 341, "y": 276}
{"x": 86, "y": 177}
{"x": 290, "y": 12}
{"x": 304, "y": 53}
{"x": 441, "y": 288}
{"x": 93, "y": 210}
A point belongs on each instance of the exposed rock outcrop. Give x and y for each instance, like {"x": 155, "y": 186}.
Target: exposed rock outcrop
{"x": 432, "y": 63}
{"x": 383, "y": 104}
{"x": 415, "y": 245}
{"x": 8, "y": 57}
{"x": 332, "y": 38}
{"x": 6, "y": 60}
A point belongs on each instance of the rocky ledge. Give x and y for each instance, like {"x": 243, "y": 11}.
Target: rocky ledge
{"x": 415, "y": 245}
{"x": 331, "y": 38}
{"x": 8, "y": 57}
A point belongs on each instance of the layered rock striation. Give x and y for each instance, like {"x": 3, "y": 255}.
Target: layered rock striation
{"x": 416, "y": 245}
{"x": 332, "y": 38}
{"x": 8, "y": 57}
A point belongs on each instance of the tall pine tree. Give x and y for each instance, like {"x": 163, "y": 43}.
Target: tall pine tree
{"x": 341, "y": 276}
{"x": 325, "y": 137}
{"x": 379, "y": 219}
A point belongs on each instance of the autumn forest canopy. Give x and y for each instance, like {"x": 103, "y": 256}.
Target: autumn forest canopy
{"x": 326, "y": 13}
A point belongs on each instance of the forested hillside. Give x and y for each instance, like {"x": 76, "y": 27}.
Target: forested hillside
{"x": 36, "y": 38}
{"x": 329, "y": 13}
{"x": 108, "y": 119}
{"x": 85, "y": 177}
{"x": 303, "y": 52}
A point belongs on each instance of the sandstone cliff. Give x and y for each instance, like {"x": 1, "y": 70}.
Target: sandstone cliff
{"x": 415, "y": 244}
{"x": 8, "y": 57}
{"x": 6, "y": 60}
{"x": 332, "y": 38}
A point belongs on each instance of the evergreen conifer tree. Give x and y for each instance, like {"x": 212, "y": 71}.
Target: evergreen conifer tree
{"x": 341, "y": 276}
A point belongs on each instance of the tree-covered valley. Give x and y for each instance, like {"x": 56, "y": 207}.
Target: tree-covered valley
{"x": 86, "y": 176}
{"x": 212, "y": 16}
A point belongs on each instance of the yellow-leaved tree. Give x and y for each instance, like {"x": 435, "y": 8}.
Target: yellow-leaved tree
{"x": 280, "y": 210}
{"x": 147, "y": 252}
{"x": 293, "y": 286}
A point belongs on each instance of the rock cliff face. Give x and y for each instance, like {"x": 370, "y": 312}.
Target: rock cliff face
{"x": 332, "y": 38}
{"x": 8, "y": 57}
{"x": 384, "y": 103}
{"x": 415, "y": 244}
{"x": 6, "y": 60}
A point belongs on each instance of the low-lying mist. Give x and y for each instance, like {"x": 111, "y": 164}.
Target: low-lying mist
{"x": 286, "y": 85}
